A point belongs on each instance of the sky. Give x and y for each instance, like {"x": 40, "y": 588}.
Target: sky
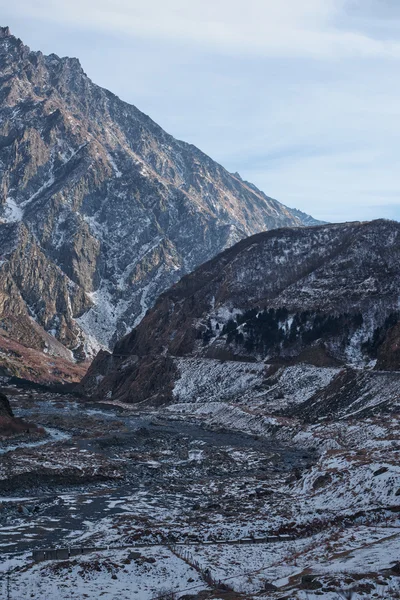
{"x": 301, "y": 97}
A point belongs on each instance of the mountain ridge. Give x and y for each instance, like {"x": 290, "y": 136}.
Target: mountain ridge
{"x": 114, "y": 204}
{"x": 325, "y": 295}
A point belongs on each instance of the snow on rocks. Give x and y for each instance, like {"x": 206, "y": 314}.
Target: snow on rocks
{"x": 12, "y": 211}
{"x": 349, "y": 481}
{"x": 296, "y": 384}
{"x": 214, "y": 380}
{"x": 114, "y": 574}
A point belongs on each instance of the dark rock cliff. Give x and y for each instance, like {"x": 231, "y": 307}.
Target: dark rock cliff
{"x": 5, "y": 408}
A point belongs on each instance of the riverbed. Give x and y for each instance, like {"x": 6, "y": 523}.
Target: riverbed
{"x": 178, "y": 480}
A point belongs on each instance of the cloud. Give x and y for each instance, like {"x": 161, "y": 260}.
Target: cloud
{"x": 257, "y": 27}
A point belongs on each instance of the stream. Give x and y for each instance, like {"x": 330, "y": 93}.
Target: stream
{"x": 169, "y": 467}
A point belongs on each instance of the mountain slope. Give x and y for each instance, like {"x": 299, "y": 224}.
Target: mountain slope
{"x": 325, "y": 295}
{"x": 103, "y": 203}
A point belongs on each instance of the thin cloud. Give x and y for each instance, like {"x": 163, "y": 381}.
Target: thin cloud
{"x": 261, "y": 27}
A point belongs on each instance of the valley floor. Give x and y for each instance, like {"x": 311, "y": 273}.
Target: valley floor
{"x": 198, "y": 500}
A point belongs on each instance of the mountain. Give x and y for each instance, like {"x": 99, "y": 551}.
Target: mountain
{"x": 326, "y": 296}
{"x": 101, "y": 210}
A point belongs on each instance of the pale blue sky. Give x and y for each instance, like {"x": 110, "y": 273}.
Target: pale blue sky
{"x": 300, "y": 96}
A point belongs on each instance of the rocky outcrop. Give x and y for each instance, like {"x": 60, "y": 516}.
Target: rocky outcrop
{"x": 8, "y": 424}
{"x": 5, "y": 408}
{"x": 388, "y": 352}
{"x": 101, "y": 209}
{"x": 326, "y": 295}
{"x": 36, "y": 297}
{"x": 40, "y": 366}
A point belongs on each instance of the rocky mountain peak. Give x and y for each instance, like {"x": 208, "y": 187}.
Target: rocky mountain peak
{"x": 114, "y": 209}
{"x": 5, "y": 32}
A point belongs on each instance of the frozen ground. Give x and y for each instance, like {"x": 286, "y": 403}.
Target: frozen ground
{"x": 187, "y": 496}
{"x": 107, "y": 575}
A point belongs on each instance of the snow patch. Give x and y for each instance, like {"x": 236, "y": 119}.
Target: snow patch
{"x": 212, "y": 380}
{"x": 12, "y": 212}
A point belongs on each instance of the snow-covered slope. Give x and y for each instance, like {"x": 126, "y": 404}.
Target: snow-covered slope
{"x": 112, "y": 203}
{"x": 326, "y": 296}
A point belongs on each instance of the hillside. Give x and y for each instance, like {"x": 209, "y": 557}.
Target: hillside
{"x": 289, "y": 339}
{"x": 100, "y": 209}
{"x": 326, "y": 296}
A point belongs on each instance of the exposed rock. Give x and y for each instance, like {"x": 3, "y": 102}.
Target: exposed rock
{"x": 389, "y": 352}
{"x": 380, "y": 471}
{"x": 327, "y": 295}
{"x": 38, "y": 366}
{"x": 5, "y": 408}
{"x": 101, "y": 209}
{"x": 322, "y": 481}
{"x": 12, "y": 426}
{"x": 310, "y": 582}
{"x": 352, "y": 392}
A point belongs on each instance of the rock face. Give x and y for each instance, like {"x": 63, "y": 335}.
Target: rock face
{"x": 326, "y": 295}
{"x": 17, "y": 360}
{"x": 101, "y": 210}
{"x": 5, "y": 408}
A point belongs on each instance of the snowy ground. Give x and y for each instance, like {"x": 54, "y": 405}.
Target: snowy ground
{"x": 189, "y": 475}
{"x": 109, "y": 575}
